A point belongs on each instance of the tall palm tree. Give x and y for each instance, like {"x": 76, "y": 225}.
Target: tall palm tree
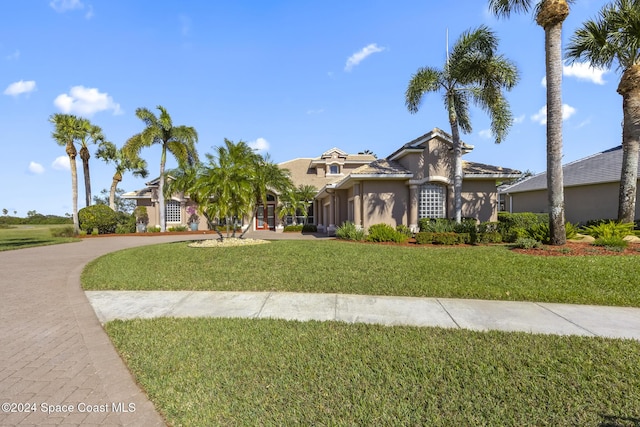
{"x": 306, "y": 194}
{"x": 473, "y": 73}
{"x": 89, "y": 133}
{"x": 615, "y": 37}
{"x": 549, "y": 14}
{"x": 66, "y": 133}
{"x": 108, "y": 152}
{"x": 178, "y": 140}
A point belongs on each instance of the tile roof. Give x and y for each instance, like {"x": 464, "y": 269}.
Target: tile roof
{"x": 599, "y": 168}
{"x": 381, "y": 167}
{"x": 472, "y": 168}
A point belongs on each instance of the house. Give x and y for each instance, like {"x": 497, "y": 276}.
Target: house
{"x": 591, "y": 187}
{"x": 413, "y": 182}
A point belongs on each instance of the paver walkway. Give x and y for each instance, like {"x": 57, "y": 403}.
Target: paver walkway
{"x": 54, "y": 352}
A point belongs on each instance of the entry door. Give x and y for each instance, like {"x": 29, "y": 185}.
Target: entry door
{"x": 261, "y": 224}
{"x": 271, "y": 216}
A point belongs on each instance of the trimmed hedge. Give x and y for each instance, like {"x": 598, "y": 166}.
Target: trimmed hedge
{"x": 385, "y": 233}
{"x": 100, "y": 217}
{"x": 446, "y": 238}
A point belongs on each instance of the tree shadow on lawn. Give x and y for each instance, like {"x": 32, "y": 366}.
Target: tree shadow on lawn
{"x": 19, "y": 242}
{"x": 616, "y": 421}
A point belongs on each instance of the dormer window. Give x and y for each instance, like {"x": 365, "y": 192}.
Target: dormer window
{"x": 334, "y": 169}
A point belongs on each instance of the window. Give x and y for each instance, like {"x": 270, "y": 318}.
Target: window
{"x": 432, "y": 201}
{"x": 334, "y": 169}
{"x": 172, "y": 211}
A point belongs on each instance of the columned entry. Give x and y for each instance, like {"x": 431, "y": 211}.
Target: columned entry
{"x": 266, "y": 217}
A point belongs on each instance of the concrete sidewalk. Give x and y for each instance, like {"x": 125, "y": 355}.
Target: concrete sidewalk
{"x": 544, "y": 318}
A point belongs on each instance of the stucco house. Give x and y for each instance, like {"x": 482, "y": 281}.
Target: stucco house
{"x": 591, "y": 188}
{"x": 413, "y": 182}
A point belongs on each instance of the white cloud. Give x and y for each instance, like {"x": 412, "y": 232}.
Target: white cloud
{"x": 359, "y": 56}
{"x": 36, "y": 168}
{"x": 64, "y": 5}
{"x": 317, "y": 111}
{"x": 14, "y": 56}
{"x": 584, "y": 71}
{"x": 61, "y": 163}
{"x": 18, "y": 88}
{"x": 519, "y": 119}
{"x": 86, "y": 102}
{"x": 541, "y": 116}
{"x": 259, "y": 144}
{"x": 485, "y": 134}
{"x": 543, "y": 83}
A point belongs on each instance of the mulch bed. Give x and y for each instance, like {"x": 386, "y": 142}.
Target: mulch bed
{"x": 580, "y": 249}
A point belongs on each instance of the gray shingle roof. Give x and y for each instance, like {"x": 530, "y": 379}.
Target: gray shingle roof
{"x": 596, "y": 169}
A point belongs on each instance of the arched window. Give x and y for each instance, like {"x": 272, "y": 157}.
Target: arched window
{"x": 433, "y": 199}
{"x": 172, "y": 211}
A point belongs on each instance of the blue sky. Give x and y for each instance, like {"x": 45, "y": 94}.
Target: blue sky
{"x": 294, "y": 78}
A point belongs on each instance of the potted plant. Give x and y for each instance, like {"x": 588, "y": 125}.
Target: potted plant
{"x": 193, "y": 218}
{"x": 142, "y": 218}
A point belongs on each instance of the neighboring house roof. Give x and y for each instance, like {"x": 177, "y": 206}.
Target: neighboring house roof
{"x": 600, "y": 168}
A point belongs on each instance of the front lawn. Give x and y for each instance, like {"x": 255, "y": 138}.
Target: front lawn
{"x": 482, "y": 272}
{"x": 272, "y": 372}
{"x": 27, "y": 236}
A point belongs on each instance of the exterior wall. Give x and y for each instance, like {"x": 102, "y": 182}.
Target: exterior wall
{"x": 583, "y": 203}
{"x": 385, "y": 202}
{"x": 480, "y": 200}
{"x": 435, "y": 161}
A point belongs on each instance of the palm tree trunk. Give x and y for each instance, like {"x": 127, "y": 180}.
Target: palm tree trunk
{"x": 163, "y": 159}
{"x": 85, "y": 155}
{"x": 253, "y": 216}
{"x": 457, "y": 162}
{"x": 555, "y": 179}
{"x": 629, "y": 88}
{"x": 117, "y": 177}
{"x": 71, "y": 152}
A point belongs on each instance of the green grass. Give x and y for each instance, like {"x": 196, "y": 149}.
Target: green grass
{"x": 483, "y": 272}
{"x": 26, "y": 236}
{"x": 274, "y": 372}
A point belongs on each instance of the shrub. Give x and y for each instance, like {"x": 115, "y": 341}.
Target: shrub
{"x": 539, "y": 232}
{"x": 385, "y": 233}
{"x": 178, "y": 228}
{"x": 123, "y": 229}
{"x": 293, "y": 228}
{"x": 614, "y": 243}
{"x": 527, "y": 243}
{"x": 513, "y": 226}
{"x": 489, "y": 227}
{"x": 348, "y": 231}
{"x": 571, "y": 230}
{"x": 66, "y": 231}
{"x": 153, "y": 229}
{"x": 401, "y": 228}
{"x": 437, "y": 225}
{"x": 609, "y": 229}
{"x": 126, "y": 223}
{"x": 309, "y": 228}
{"x": 447, "y": 238}
{"x": 100, "y": 217}
{"x": 489, "y": 237}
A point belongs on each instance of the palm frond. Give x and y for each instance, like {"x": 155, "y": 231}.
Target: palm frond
{"x": 425, "y": 80}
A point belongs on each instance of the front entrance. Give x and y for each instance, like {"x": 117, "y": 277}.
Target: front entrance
{"x": 266, "y": 217}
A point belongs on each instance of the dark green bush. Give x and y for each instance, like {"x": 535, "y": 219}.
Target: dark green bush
{"x": 539, "y": 232}
{"x": 126, "y": 223}
{"x": 100, "y": 217}
{"x": 385, "y": 233}
{"x": 66, "y": 231}
{"x": 309, "y": 228}
{"x": 489, "y": 237}
{"x": 446, "y": 238}
{"x": 437, "y": 225}
{"x": 178, "y": 228}
{"x": 293, "y": 228}
{"x": 489, "y": 227}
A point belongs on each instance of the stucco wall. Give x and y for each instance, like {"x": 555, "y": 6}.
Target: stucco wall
{"x": 479, "y": 200}
{"x": 384, "y": 202}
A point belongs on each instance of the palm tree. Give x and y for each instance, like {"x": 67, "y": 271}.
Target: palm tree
{"x": 306, "y": 194}
{"x": 474, "y": 72}
{"x": 614, "y": 37}
{"x": 66, "y": 132}
{"x": 549, "y": 14}
{"x": 108, "y": 152}
{"x": 289, "y": 205}
{"x": 89, "y": 133}
{"x": 178, "y": 140}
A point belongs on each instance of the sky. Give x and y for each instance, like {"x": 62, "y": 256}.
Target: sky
{"x": 292, "y": 78}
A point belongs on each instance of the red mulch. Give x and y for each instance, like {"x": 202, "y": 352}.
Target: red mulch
{"x": 580, "y": 248}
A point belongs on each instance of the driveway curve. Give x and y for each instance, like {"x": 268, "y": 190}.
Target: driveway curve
{"x": 57, "y": 365}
